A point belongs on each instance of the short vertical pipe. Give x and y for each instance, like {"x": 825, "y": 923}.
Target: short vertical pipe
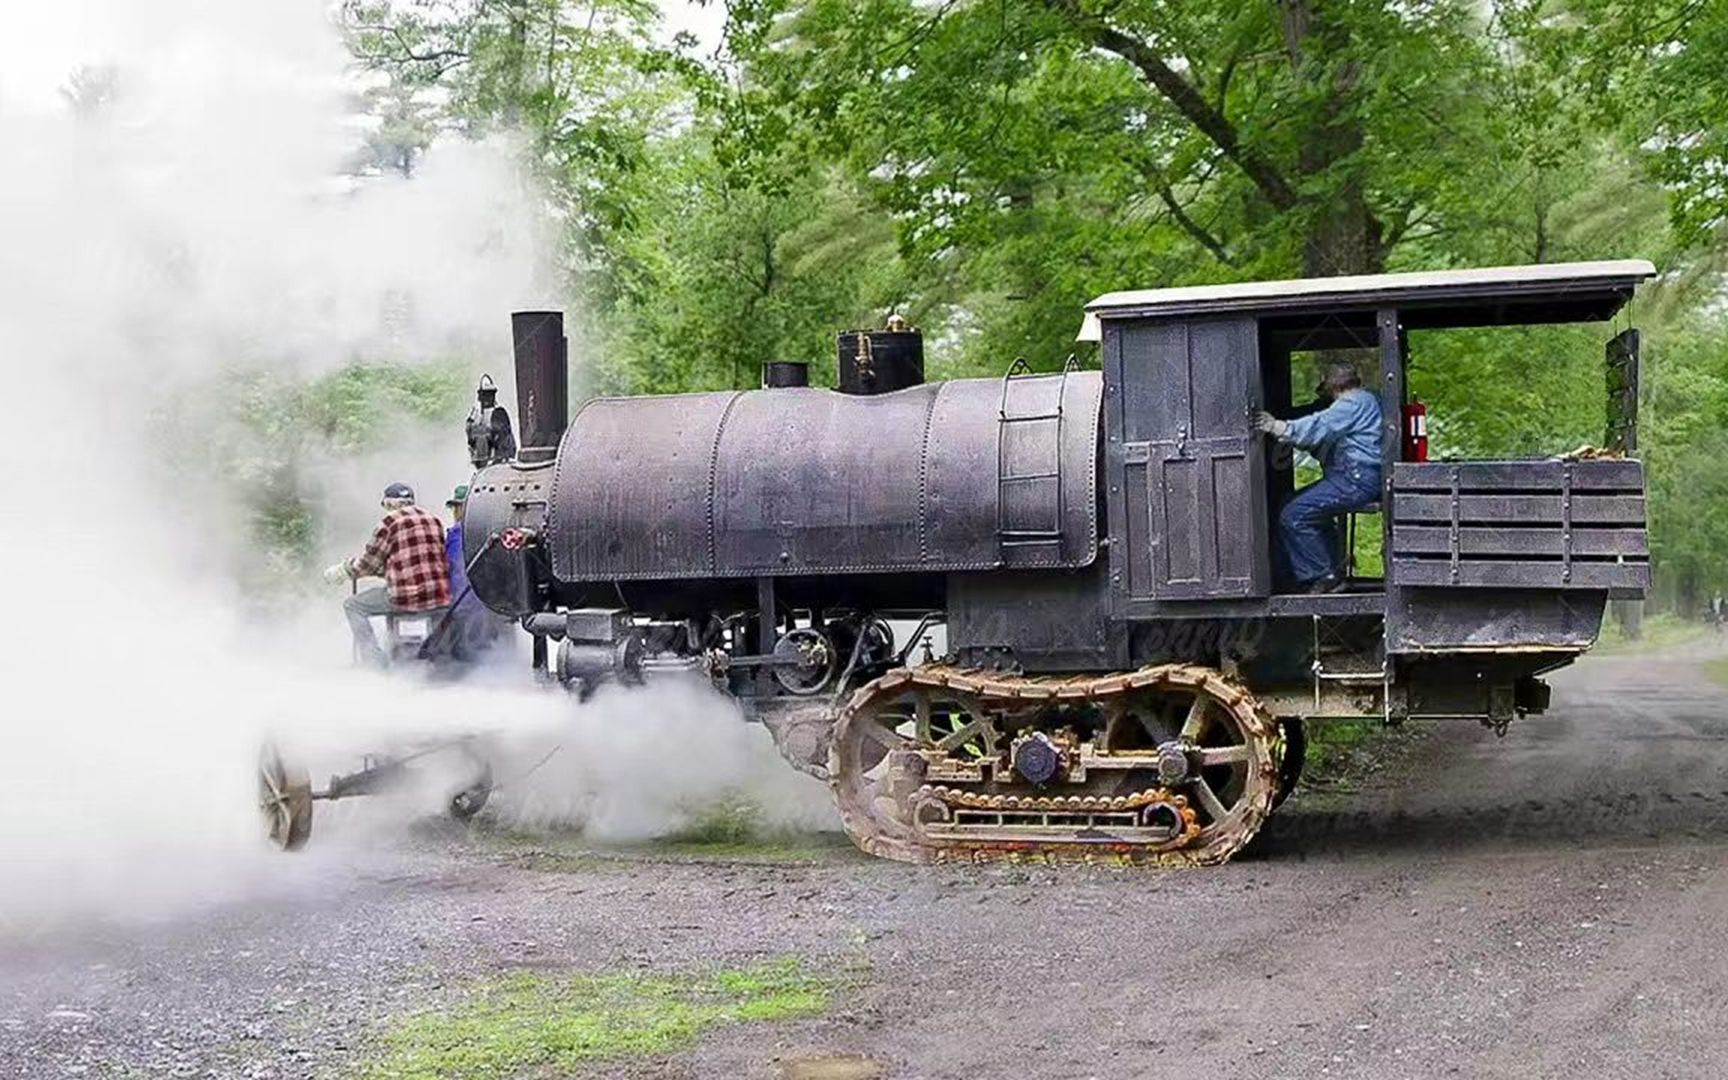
{"x": 542, "y": 383}
{"x": 767, "y": 616}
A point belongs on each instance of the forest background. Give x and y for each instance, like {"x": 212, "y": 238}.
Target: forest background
{"x": 985, "y": 167}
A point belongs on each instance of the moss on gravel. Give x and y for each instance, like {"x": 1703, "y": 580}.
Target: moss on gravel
{"x": 533, "y": 1024}
{"x": 1346, "y": 755}
{"x": 728, "y": 833}
{"x": 1717, "y": 670}
{"x": 735, "y": 833}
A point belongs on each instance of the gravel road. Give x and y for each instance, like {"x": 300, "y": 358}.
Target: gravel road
{"x": 1554, "y": 903}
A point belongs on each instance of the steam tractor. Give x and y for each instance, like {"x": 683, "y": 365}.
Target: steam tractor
{"x": 1118, "y": 676}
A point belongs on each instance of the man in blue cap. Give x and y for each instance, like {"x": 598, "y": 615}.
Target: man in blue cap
{"x": 407, "y": 551}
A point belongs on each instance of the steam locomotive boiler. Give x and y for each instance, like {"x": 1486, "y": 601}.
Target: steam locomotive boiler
{"x": 1119, "y": 677}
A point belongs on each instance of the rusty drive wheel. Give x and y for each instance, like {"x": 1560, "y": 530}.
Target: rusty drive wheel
{"x": 1172, "y": 764}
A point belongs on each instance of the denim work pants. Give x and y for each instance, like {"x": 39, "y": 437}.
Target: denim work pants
{"x": 1308, "y": 525}
{"x": 360, "y": 608}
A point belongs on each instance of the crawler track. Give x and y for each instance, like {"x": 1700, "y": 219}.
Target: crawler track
{"x": 1169, "y": 765}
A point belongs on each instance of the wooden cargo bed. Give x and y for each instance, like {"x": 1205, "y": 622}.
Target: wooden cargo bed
{"x": 1520, "y": 524}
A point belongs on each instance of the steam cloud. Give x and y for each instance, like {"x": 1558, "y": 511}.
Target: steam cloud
{"x": 197, "y": 224}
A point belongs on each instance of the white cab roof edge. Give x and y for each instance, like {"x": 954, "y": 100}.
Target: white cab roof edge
{"x": 1306, "y": 292}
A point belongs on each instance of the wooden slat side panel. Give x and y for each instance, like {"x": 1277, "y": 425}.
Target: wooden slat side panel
{"x": 1587, "y": 509}
{"x": 1511, "y": 574}
{"x": 1519, "y": 540}
{"x": 1606, "y": 475}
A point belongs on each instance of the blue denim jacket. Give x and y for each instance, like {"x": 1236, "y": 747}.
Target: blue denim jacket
{"x": 1344, "y": 434}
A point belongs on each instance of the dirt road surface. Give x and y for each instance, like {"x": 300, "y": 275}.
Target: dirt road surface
{"x": 1550, "y": 904}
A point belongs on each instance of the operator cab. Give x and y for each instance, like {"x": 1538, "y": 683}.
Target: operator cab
{"x": 1195, "y": 491}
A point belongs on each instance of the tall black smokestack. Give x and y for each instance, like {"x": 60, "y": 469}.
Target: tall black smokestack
{"x": 542, "y": 382}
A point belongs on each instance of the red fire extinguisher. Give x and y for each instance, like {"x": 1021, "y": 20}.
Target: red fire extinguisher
{"x": 1415, "y": 432}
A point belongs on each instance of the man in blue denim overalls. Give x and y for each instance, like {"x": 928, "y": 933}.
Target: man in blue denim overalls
{"x": 1345, "y": 438}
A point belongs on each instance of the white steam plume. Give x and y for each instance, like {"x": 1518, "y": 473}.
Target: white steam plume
{"x": 196, "y": 225}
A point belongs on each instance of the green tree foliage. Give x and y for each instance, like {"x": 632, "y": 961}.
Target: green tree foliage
{"x": 1038, "y": 152}
{"x": 1686, "y": 443}
{"x": 724, "y": 276}
{"x": 91, "y": 89}
{"x": 691, "y": 274}
{"x": 584, "y": 85}
{"x": 277, "y": 434}
{"x": 1652, "y": 69}
{"x": 987, "y": 166}
{"x": 1649, "y": 74}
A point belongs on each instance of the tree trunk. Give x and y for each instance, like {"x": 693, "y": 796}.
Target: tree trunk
{"x": 1629, "y": 614}
{"x": 1344, "y": 237}
{"x": 1343, "y": 234}
{"x": 516, "y": 20}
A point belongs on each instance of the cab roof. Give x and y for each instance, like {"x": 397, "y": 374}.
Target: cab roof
{"x": 1502, "y": 295}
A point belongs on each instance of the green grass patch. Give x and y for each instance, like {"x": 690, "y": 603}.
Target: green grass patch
{"x": 535, "y": 1024}
{"x": 1344, "y": 755}
{"x": 1339, "y": 748}
{"x": 725, "y": 824}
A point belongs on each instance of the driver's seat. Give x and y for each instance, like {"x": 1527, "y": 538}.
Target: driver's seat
{"x": 405, "y": 632}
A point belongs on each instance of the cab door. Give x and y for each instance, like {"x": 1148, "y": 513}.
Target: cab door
{"x": 1186, "y": 468}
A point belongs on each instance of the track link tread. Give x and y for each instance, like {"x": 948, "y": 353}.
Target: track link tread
{"x": 1209, "y": 847}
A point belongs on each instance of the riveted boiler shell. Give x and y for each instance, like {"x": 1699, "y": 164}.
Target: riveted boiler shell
{"x": 500, "y": 498}
{"x": 808, "y": 481}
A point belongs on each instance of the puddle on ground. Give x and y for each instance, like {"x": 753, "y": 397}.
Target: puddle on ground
{"x": 830, "y": 1067}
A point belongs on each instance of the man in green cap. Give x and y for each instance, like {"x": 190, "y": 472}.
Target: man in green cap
{"x": 456, "y": 504}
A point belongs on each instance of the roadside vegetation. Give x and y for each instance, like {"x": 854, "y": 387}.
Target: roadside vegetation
{"x": 1664, "y": 630}
{"x": 535, "y": 1023}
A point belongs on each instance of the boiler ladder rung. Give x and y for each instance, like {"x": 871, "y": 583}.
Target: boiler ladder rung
{"x": 1013, "y": 531}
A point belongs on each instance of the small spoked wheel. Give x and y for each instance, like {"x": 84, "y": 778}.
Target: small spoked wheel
{"x": 471, "y": 799}
{"x": 285, "y": 798}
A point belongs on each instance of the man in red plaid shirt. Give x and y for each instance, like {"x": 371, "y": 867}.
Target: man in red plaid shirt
{"x": 407, "y": 551}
